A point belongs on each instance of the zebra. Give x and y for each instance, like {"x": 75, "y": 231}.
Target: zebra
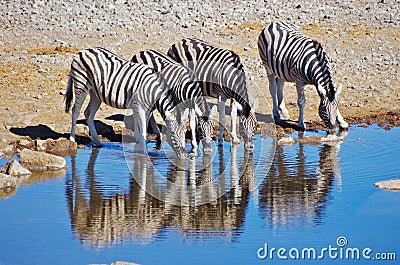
{"x": 221, "y": 75}
{"x": 121, "y": 84}
{"x": 186, "y": 92}
{"x": 290, "y": 56}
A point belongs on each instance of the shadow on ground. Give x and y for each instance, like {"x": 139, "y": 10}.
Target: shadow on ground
{"x": 44, "y": 132}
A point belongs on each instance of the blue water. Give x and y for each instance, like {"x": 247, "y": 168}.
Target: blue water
{"x": 97, "y": 213}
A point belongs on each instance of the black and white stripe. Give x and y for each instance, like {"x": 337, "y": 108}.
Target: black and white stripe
{"x": 186, "y": 92}
{"x": 121, "y": 84}
{"x": 290, "y": 56}
{"x": 221, "y": 75}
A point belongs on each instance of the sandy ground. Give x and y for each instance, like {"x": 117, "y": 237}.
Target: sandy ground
{"x": 33, "y": 76}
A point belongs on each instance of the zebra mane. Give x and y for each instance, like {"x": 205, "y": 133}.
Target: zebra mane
{"x": 323, "y": 61}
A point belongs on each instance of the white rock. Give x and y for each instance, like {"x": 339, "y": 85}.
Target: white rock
{"x": 41, "y": 145}
{"x": 123, "y": 263}
{"x": 39, "y": 161}
{"x": 14, "y": 168}
{"x": 286, "y": 141}
{"x": 7, "y": 181}
{"x": 331, "y": 138}
{"x": 392, "y": 185}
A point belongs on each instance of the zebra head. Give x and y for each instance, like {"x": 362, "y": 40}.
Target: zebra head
{"x": 206, "y": 130}
{"x": 175, "y": 132}
{"x": 247, "y": 126}
{"x": 328, "y": 109}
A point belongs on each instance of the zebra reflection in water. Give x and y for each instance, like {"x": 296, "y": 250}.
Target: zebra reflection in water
{"x": 101, "y": 220}
{"x": 296, "y": 190}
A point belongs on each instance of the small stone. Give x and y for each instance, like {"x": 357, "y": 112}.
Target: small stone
{"x": 331, "y": 138}
{"x": 7, "y": 181}
{"x": 286, "y": 141}
{"x": 40, "y": 145}
{"x": 24, "y": 142}
{"x": 14, "y": 168}
{"x": 392, "y": 185}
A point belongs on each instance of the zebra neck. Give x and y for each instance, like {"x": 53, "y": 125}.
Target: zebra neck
{"x": 326, "y": 88}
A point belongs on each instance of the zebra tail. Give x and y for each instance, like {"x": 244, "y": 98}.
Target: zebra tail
{"x": 69, "y": 94}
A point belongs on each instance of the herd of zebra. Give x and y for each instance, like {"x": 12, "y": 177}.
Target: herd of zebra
{"x": 177, "y": 83}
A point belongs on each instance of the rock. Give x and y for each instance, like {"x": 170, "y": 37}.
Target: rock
{"x": 61, "y": 147}
{"x": 286, "y": 141}
{"x": 7, "y": 181}
{"x": 14, "y": 168}
{"x": 331, "y": 138}
{"x": 123, "y": 263}
{"x": 40, "y": 145}
{"x": 392, "y": 185}
{"x": 39, "y": 161}
{"x": 8, "y": 185}
{"x": 25, "y": 142}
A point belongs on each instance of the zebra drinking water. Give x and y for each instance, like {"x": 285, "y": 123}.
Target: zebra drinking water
{"x": 221, "y": 75}
{"x": 121, "y": 84}
{"x": 186, "y": 92}
{"x": 290, "y": 56}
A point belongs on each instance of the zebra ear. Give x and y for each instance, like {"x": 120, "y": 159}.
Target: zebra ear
{"x": 213, "y": 112}
{"x": 255, "y": 104}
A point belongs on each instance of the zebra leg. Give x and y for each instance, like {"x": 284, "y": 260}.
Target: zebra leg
{"x": 76, "y": 109}
{"x": 301, "y": 102}
{"x": 90, "y": 111}
{"x": 142, "y": 122}
{"x": 342, "y": 123}
{"x": 192, "y": 123}
{"x": 154, "y": 127}
{"x": 281, "y": 100}
{"x": 234, "y": 106}
{"x": 222, "y": 119}
{"x": 273, "y": 89}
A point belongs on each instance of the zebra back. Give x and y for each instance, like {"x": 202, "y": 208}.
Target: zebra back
{"x": 118, "y": 82}
{"x": 181, "y": 81}
{"x": 218, "y": 70}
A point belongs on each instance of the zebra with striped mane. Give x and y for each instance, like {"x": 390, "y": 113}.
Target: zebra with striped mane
{"x": 121, "y": 84}
{"x": 186, "y": 92}
{"x": 290, "y": 56}
{"x": 221, "y": 75}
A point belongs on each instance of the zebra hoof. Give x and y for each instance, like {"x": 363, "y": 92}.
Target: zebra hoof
{"x": 301, "y": 126}
{"x": 285, "y": 115}
{"x": 158, "y": 145}
{"x": 277, "y": 119}
{"x": 97, "y": 144}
